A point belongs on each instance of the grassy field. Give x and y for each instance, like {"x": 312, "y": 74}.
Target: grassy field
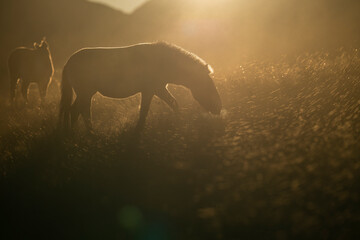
{"x": 281, "y": 162}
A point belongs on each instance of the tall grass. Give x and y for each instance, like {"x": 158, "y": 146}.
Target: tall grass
{"x": 282, "y": 161}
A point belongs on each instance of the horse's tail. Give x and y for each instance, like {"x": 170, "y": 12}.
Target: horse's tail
{"x": 66, "y": 100}
{"x": 13, "y": 74}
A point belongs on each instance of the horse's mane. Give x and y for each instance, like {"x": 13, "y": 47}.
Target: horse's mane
{"x": 182, "y": 53}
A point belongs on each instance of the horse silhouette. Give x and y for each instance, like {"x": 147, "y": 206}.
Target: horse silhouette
{"x": 30, "y": 65}
{"x": 124, "y": 71}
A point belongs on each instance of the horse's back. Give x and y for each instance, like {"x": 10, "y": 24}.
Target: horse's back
{"x": 108, "y": 55}
{"x": 114, "y": 72}
{"x": 19, "y": 56}
{"x": 27, "y": 62}
{"x": 129, "y": 61}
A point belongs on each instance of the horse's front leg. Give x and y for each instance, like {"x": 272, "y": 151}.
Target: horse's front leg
{"x": 167, "y": 97}
{"x": 42, "y": 89}
{"x": 144, "y": 109}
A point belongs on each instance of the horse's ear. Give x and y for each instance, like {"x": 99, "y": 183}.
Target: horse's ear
{"x": 43, "y": 42}
{"x": 211, "y": 70}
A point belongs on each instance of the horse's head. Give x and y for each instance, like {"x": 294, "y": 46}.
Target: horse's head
{"x": 205, "y": 92}
{"x": 43, "y": 45}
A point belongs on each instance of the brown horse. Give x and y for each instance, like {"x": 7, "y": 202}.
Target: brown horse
{"x": 122, "y": 72}
{"x": 30, "y": 65}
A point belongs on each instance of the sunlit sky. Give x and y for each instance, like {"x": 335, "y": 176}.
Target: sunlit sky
{"x": 127, "y": 6}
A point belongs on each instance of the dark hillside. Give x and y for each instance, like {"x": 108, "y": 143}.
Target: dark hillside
{"x": 68, "y": 25}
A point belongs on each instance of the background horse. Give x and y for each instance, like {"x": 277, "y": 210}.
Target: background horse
{"x": 30, "y": 65}
{"x": 122, "y": 72}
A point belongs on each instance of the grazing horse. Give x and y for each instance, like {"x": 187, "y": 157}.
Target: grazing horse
{"x": 124, "y": 71}
{"x": 30, "y": 65}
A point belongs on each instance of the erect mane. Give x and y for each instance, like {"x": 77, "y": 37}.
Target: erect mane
{"x": 188, "y": 55}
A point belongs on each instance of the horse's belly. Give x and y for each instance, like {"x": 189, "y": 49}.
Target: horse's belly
{"x": 120, "y": 88}
{"x": 117, "y": 93}
{"x": 34, "y": 72}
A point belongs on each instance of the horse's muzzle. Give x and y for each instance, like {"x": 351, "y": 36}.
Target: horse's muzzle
{"x": 217, "y": 112}
{"x": 216, "y": 109}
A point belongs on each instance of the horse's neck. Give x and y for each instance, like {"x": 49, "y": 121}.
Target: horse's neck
{"x": 45, "y": 55}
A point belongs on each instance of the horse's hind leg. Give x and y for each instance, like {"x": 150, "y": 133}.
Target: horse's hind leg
{"x": 24, "y": 89}
{"x": 13, "y": 83}
{"x": 42, "y": 91}
{"x": 167, "y": 97}
{"x": 144, "y": 109}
